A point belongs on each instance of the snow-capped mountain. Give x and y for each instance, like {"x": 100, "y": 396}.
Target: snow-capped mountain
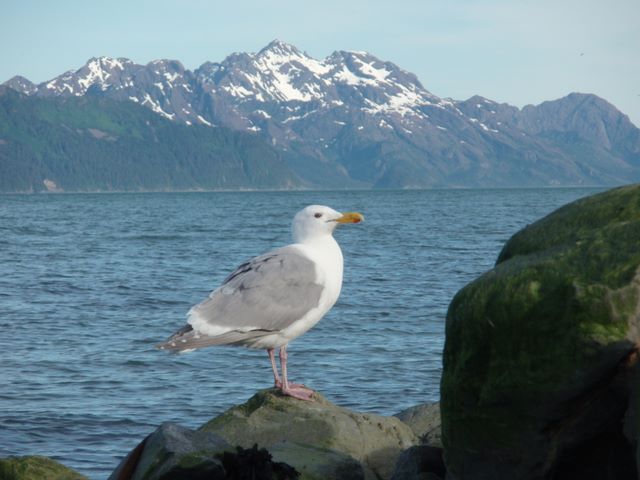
{"x": 352, "y": 119}
{"x": 278, "y": 74}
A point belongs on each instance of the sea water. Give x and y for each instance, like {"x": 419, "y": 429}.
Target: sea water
{"x": 89, "y": 283}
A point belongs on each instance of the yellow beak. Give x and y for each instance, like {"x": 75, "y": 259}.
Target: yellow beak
{"x": 350, "y": 217}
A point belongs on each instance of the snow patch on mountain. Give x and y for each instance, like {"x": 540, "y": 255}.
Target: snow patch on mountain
{"x": 287, "y": 92}
{"x": 155, "y": 106}
{"x": 345, "y": 75}
{"x": 378, "y": 74}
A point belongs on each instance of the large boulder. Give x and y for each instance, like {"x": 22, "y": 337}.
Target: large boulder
{"x": 273, "y": 436}
{"x": 35, "y": 468}
{"x": 173, "y": 451}
{"x": 541, "y": 351}
{"x": 273, "y": 421}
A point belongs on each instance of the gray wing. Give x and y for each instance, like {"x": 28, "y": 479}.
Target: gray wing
{"x": 262, "y": 296}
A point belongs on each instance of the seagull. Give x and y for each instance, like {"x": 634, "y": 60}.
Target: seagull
{"x": 274, "y": 298}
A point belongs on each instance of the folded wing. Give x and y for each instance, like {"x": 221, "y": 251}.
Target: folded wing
{"x": 262, "y": 296}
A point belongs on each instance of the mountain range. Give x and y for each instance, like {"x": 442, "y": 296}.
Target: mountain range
{"x": 282, "y": 119}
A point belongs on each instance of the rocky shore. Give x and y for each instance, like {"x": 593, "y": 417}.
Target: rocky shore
{"x": 275, "y": 437}
{"x": 318, "y": 439}
{"x": 540, "y": 381}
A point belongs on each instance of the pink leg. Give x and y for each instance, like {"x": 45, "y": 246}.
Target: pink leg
{"x": 294, "y": 390}
{"x": 276, "y": 377}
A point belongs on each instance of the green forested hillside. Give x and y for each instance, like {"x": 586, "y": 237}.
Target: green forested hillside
{"x": 91, "y": 143}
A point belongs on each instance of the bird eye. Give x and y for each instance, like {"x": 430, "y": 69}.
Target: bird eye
{"x": 317, "y": 215}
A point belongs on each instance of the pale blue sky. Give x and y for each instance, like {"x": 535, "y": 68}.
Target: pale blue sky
{"x": 512, "y": 51}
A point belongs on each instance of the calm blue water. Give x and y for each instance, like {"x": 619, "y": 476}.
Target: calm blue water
{"x": 89, "y": 283}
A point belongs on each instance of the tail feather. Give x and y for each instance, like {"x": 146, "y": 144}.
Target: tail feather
{"x": 188, "y": 339}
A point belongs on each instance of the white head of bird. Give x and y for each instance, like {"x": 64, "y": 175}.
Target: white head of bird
{"x": 317, "y": 221}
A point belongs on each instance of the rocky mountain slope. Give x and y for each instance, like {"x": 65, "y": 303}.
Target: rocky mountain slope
{"x": 354, "y": 120}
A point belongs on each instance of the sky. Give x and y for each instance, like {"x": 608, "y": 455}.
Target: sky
{"x": 512, "y": 51}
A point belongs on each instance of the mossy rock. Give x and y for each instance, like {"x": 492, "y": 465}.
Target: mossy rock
{"x": 546, "y": 330}
{"x": 269, "y": 418}
{"x": 35, "y": 468}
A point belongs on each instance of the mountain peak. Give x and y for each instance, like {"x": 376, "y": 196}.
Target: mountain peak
{"x": 280, "y": 48}
{"x": 107, "y": 63}
{"x": 167, "y": 65}
{"x": 21, "y": 84}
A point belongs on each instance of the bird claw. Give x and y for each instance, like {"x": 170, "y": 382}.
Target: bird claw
{"x": 298, "y": 391}
{"x": 291, "y": 385}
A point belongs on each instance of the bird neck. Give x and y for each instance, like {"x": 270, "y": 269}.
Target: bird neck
{"x": 320, "y": 242}
{"x": 325, "y": 250}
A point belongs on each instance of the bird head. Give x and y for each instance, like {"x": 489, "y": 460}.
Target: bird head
{"x": 316, "y": 220}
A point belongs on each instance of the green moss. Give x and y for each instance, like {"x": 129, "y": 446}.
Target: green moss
{"x": 35, "y": 468}
{"x": 577, "y": 222}
{"x": 499, "y": 330}
{"x": 219, "y": 422}
{"x": 261, "y": 399}
{"x": 534, "y": 289}
{"x": 604, "y": 334}
{"x": 562, "y": 299}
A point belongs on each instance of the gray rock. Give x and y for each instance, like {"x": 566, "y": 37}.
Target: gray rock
{"x": 424, "y": 420}
{"x": 173, "y": 451}
{"x": 268, "y": 419}
{"x": 420, "y": 462}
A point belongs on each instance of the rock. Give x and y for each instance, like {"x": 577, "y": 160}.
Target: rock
{"x": 173, "y": 451}
{"x": 420, "y": 462}
{"x": 317, "y": 440}
{"x": 315, "y": 463}
{"x": 424, "y": 420}
{"x": 269, "y": 418}
{"x": 541, "y": 351}
{"x": 35, "y": 468}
